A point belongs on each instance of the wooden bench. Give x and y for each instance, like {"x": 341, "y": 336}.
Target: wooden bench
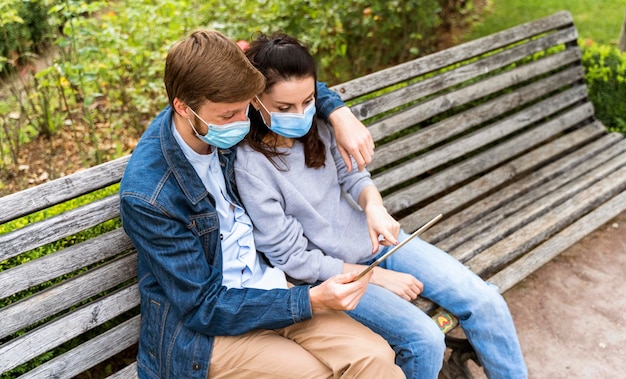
{"x": 505, "y": 146}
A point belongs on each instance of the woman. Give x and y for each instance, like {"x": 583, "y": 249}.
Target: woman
{"x": 295, "y": 186}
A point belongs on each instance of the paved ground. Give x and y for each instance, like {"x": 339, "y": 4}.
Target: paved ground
{"x": 571, "y": 314}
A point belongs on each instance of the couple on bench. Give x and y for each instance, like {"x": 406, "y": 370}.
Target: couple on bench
{"x": 235, "y": 199}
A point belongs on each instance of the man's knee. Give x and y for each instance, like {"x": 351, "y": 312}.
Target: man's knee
{"x": 377, "y": 361}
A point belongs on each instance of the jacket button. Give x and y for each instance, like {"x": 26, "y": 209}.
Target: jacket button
{"x": 196, "y": 366}
{"x": 221, "y": 236}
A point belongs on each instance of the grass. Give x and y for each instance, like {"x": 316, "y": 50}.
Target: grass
{"x": 598, "y": 20}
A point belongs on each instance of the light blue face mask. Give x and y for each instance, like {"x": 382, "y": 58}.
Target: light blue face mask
{"x": 290, "y": 125}
{"x": 222, "y": 136}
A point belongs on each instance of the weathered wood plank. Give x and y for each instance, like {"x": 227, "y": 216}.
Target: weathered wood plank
{"x": 532, "y": 234}
{"x": 529, "y": 207}
{"x": 453, "y": 55}
{"x": 485, "y": 214}
{"x": 62, "y": 189}
{"x": 469, "y": 167}
{"x": 542, "y": 254}
{"x": 462, "y": 122}
{"x": 55, "y": 333}
{"x": 129, "y": 372}
{"x": 70, "y": 259}
{"x": 98, "y": 349}
{"x": 449, "y": 79}
{"x": 470, "y": 93}
{"x": 58, "y": 227}
{"x": 67, "y": 294}
{"x": 470, "y": 197}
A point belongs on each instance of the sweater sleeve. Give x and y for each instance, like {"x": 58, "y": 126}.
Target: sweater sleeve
{"x": 351, "y": 182}
{"x": 278, "y": 235}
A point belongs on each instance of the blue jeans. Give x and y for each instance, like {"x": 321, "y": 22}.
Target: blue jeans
{"x": 416, "y": 338}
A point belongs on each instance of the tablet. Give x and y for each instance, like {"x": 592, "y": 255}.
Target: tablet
{"x": 388, "y": 254}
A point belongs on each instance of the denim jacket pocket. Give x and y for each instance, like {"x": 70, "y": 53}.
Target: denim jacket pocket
{"x": 203, "y": 224}
{"x": 206, "y": 228}
{"x": 152, "y": 320}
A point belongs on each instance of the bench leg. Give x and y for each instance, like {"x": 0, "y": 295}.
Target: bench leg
{"x": 456, "y": 366}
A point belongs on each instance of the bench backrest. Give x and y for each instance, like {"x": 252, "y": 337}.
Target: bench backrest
{"x": 76, "y": 274}
{"x": 499, "y": 136}
{"x": 462, "y": 132}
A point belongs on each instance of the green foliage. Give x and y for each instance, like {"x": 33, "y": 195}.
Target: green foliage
{"x": 23, "y": 28}
{"x": 599, "y": 20}
{"x": 605, "y": 74}
{"x": 104, "y": 81}
{"x": 349, "y": 38}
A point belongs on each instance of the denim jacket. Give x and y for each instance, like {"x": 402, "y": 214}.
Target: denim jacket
{"x": 172, "y": 221}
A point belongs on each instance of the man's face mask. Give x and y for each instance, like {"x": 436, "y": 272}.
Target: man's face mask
{"x": 222, "y": 136}
{"x": 290, "y": 125}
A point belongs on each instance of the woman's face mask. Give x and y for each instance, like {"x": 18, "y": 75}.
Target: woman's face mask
{"x": 222, "y": 136}
{"x": 290, "y": 125}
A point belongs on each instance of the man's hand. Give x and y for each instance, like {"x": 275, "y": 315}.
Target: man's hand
{"x": 338, "y": 293}
{"x": 353, "y": 138}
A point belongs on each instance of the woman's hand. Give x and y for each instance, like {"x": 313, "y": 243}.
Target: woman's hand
{"x": 353, "y": 138}
{"x": 383, "y": 228}
{"x": 404, "y": 285}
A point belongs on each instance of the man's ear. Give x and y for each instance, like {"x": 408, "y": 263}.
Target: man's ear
{"x": 182, "y": 109}
{"x": 255, "y": 104}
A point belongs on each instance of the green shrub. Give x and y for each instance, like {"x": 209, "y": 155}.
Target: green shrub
{"x": 24, "y": 29}
{"x": 605, "y": 74}
{"x": 350, "y": 38}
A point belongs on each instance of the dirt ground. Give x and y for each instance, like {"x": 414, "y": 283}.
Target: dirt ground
{"x": 571, "y": 313}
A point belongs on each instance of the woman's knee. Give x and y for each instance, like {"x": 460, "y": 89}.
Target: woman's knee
{"x": 424, "y": 343}
{"x": 487, "y": 302}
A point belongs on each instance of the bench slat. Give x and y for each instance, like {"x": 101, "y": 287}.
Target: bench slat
{"x": 57, "y": 332}
{"x": 479, "y": 163}
{"x": 549, "y": 224}
{"x": 63, "y": 262}
{"x": 473, "y": 117}
{"x": 100, "y": 348}
{"x": 62, "y": 189}
{"x": 470, "y": 93}
{"x": 542, "y": 254}
{"x": 67, "y": 294}
{"x": 128, "y": 372}
{"x": 375, "y": 81}
{"x": 472, "y": 208}
{"x": 58, "y": 227}
{"x": 487, "y": 135}
{"x": 458, "y": 75}
{"x": 531, "y": 206}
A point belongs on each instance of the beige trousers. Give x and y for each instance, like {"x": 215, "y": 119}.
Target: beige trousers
{"x": 330, "y": 345}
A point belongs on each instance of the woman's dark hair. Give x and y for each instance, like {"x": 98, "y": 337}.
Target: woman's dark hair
{"x": 280, "y": 57}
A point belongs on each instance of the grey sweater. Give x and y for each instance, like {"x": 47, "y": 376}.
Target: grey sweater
{"x": 303, "y": 220}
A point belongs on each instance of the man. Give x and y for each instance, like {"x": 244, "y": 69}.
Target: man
{"x": 210, "y": 306}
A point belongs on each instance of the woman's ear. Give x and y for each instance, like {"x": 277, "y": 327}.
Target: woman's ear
{"x": 182, "y": 109}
